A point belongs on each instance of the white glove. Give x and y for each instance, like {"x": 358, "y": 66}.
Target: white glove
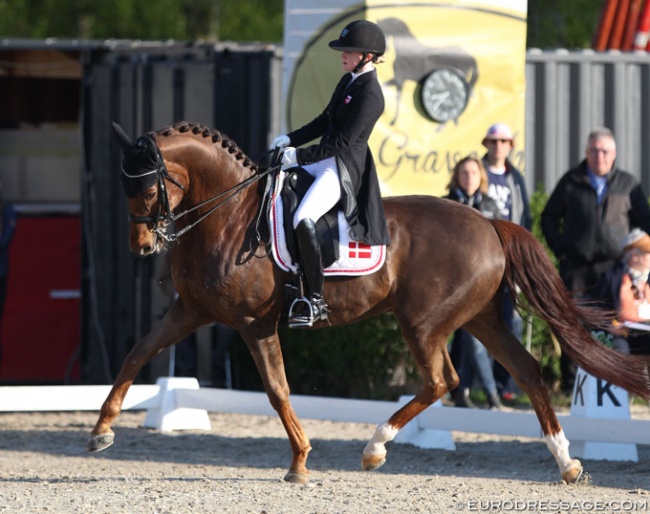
{"x": 289, "y": 158}
{"x": 280, "y": 142}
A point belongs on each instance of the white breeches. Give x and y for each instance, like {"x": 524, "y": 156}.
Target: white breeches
{"x": 323, "y": 194}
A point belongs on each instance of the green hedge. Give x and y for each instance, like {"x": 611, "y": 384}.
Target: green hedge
{"x": 366, "y": 360}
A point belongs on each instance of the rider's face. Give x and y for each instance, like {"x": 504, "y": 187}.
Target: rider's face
{"x": 349, "y": 60}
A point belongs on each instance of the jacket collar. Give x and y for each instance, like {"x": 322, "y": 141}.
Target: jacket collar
{"x": 582, "y": 175}
{"x": 363, "y": 79}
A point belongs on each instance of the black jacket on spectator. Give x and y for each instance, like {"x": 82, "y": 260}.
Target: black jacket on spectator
{"x": 606, "y": 293}
{"x": 486, "y": 205}
{"x": 579, "y": 229}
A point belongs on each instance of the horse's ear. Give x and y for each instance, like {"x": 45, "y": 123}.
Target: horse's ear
{"x": 120, "y": 135}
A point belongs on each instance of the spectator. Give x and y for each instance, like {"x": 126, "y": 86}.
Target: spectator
{"x": 591, "y": 209}
{"x": 625, "y": 290}
{"x": 507, "y": 187}
{"x": 505, "y": 182}
{"x": 7, "y": 229}
{"x": 468, "y": 185}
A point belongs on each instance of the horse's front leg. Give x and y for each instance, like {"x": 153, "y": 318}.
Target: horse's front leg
{"x": 176, "y": 325}
{"x": 267, "y": 355}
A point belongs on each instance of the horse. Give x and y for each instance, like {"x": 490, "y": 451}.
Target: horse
{"x": 446, "y": 268}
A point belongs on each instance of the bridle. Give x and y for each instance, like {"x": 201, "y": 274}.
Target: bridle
{"x": 164, "y": 214}
{"x": 165, "y": 217}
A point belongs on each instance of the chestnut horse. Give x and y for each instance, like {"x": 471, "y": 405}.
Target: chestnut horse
{"x": 446, "y": 268}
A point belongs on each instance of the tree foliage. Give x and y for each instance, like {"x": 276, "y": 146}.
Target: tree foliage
{"x": 551, "y": 24}
{"x": 184, "y": 20}
{"x": 562, "y": 24}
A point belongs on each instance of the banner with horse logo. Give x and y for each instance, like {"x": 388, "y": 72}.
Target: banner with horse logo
{"x": 451, "y": 70}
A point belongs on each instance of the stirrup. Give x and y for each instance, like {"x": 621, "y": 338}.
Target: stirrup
{"x": 309, "y": 312}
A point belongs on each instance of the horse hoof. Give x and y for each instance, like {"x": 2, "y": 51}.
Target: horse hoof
{"x": 296, "y": 478}
{"x": 100, "y": 442}
{"x": 573, "y": 473}
{"x": 370, "y": 462}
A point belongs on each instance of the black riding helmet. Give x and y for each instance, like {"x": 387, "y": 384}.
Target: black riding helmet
{"x": 361, "y": 36}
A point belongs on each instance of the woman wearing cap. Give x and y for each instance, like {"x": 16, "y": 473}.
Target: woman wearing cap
{"x": 341, "y": 162}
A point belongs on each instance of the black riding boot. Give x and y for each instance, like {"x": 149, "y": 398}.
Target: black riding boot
{"x": 304, "y": 312}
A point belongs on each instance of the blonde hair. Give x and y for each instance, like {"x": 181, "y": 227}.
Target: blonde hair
{"x": 453, "y": 182}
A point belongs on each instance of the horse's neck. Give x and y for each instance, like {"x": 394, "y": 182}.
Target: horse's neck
{"x": 222, "y": 187}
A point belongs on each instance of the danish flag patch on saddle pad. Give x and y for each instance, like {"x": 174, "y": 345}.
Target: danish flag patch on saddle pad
{"x": 354, "y": 258}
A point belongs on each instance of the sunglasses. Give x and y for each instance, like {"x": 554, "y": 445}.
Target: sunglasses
{"x": 498, "y": 141}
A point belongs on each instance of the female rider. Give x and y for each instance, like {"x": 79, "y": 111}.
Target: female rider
{"x": 341, "y": 162}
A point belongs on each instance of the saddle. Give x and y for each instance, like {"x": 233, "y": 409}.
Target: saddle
{"x": 295, "y": 186}
{"x": 282, "y": 194}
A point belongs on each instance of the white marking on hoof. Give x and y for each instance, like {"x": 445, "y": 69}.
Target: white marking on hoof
{"x": 558, "y": 444}
{"x": 383, "y": 434}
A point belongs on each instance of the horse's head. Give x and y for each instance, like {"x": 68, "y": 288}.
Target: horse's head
{"x": 151, "y": 190}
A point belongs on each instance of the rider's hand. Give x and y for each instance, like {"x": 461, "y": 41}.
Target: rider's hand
{"x": 280, "y": 142}
{"x": 289, "y": 159}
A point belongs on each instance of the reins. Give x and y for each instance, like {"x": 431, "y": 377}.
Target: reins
{"x": 231, "y": 193}
{"x": 165, "y": 216}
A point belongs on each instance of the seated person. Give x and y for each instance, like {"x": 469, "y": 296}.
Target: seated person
{"x": 625, "y": 290}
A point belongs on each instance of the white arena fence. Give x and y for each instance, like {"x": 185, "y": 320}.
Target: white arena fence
{"x": 599, "y": 427}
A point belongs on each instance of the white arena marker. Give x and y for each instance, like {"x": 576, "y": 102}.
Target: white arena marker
{"x": 168, "y": 416}
{"x": 595, "y": 398}
{"x": 421, "y": 437}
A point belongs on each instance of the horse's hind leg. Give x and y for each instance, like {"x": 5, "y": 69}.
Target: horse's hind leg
{"x": 176, "y": 325}
{"x": 439, "y": 376}
{"x": 525, "y": 370}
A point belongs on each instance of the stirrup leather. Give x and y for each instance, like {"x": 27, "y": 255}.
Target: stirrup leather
{"x": 304, "y": 312}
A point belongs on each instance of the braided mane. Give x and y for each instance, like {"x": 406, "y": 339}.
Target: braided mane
{"x": 184, "y": 127}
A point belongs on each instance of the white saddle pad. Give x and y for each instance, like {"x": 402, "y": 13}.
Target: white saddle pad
{"x": 354, "y": 258}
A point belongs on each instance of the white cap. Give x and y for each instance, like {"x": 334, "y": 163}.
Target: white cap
{"x": 498, "y": 131}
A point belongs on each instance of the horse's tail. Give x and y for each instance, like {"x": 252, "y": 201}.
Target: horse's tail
{"x": 529, "y": 268}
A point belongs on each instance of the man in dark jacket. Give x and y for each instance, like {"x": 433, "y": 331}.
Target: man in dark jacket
{"x": 590, "y": 211}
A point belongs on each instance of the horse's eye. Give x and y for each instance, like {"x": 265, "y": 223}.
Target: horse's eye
{"x": 149, "y": 196}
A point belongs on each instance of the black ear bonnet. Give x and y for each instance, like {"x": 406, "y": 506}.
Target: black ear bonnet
{"x": 141, "y": 166}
